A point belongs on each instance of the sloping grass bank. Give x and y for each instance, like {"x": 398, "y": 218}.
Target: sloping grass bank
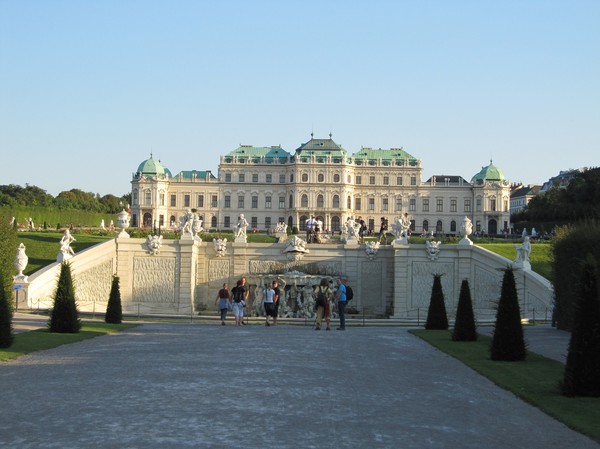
{"x": 535, "y": 380}
{"x": 42, "y": 339}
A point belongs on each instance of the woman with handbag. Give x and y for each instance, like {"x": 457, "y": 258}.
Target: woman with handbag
{"x": 323, "y": 295}
{"x": 223, "y": 302}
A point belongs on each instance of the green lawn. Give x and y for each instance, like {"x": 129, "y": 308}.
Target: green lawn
{"x": 540, "y": 258}
{"x": 535, "y": 380}
{"x": 41, "y": 339}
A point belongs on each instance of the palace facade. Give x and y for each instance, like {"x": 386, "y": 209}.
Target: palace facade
{"x": 270, "y": 185}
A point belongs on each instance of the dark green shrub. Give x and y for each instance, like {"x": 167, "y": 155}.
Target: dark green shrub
{"x": 436, "y": 315}
{"x": 582, "y": 371}
{"x": 114, "y": 312}
{"x": 64, "y": 318}
{"x": 570, "y": 247}
{"x": 508, "y": 343}
{"x": 464, "y": 325}
{"x": 8, "y": 245}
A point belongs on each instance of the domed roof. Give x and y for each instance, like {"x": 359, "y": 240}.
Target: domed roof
{"x": 488, "y": 173}
{"x": 152, "y": 167}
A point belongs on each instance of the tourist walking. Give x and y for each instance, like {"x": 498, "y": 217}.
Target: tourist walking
{"x": 237, "y": 294}
{"x": 246, "y": 294}
{"x": 340, "y": 297}
{"x": 223, "y": 302}
{"x": 323, "y": 296}
{"x": 268, "y": 302}
{"x": 276, "y": 297}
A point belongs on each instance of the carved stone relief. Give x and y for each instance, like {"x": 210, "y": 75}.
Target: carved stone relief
{"x": 93, "y": 285}
{"x": 422, "y": 281}
{"x": 154, "y": 280}
{"x": 218, "y": 269}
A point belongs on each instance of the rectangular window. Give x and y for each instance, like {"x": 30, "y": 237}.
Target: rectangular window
{"x": 242, "y": 177}
{"x": 254, "y": 202}
{"x": 399, "y": 180}
{"x": 267, "y": 222}
{"x": 413, "y": 180}
{"x": 492, "y": 204}
{"x": 412, "y": 205}
{"x": 186, "y": 200}
{"x": 255, "y": 177}
{"x": 281, "y": 179}
{"x": 282, "y": 202}
{"x": 227, "y": 177}
{"x": 269, "y": 179}
{"x": 281, "y": 220}
{"x": 268, "y": 202}
{"x": 358, "y": 179}
{"x": 439, "y": 205}
{"x": 148, "y": 198}
{"x": 254, "y": 222}
{"x": 398, "y": 203}
{"x": 200, "y": 201}
{"x": 173, "y": 200}
{"x": 478, "y": 204}
{"x": 425, "y": 204}
{"x": 162, "y": 199}
{"x": 213, "y": 201}
{"x": 161, "y": 220}
{"x": 372, "y": 180}
{"x": 357, "y": 203}
{"x": 467, "y": 205}
{"x": 227, "y": 201}
{"x": 452, "y": 205}
{"x": 227, "y": 223}
{"x": 385, "y": 204}
{"x": 386, "y": 180}
{"x": 240, "y": 201}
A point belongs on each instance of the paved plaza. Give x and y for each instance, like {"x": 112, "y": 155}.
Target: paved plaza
{"x": 166, "y": 385}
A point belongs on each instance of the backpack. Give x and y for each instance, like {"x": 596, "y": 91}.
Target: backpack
{"x": 321, "y": 298}
{"x": 349, "y": 293}
{"x": 238, "y": 295}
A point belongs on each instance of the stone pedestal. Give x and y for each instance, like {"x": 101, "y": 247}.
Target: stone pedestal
{"x": 465, "y": 242}
{"x": 281, "y": 236}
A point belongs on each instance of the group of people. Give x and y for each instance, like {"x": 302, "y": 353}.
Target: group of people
{"x": 234, "y": 300}
{"x": 314, "y": 227}
{"x": 324, "y": 296}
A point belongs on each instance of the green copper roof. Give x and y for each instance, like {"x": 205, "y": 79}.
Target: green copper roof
{"x": 320, "y": 147}
{"x": 198, "y": 174}
{"x": 488, "y": 173}
{"x": 265, "y": 153}
{"x": 152, "y": 167}
{"x": 396, "y": 156}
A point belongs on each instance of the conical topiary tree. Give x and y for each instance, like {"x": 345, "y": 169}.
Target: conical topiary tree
{"x": 464, "y": 325}
{"x": 8, "y": 240}
{"x": 436, "y": 316}
{"x": 508, "y": 343}
{"x": 65, "y": 318}
{"x": 582, "y": 371}
{"x": 114, "y": 312}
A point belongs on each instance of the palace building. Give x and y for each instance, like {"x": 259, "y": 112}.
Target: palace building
{"x": 270, "y": 185}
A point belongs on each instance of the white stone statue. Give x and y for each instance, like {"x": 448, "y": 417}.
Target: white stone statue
{"x": 197, "y": 227}
{"x": 523, "y": 252}
{"x": 66, "y": 252}
{"x": 186, "y": 223}
{"x": 467, "y": 228}
{"x": 220, "y": 246}
{"x": 351, "y": 228}
{"x": 154, "y": 242}
{"x": 400, "y": 229}
{"x": 102, "y": 225}
{"x": 240, "y": 230}
{"x": 21, "y": 263}
{"x": 295, "y": 248}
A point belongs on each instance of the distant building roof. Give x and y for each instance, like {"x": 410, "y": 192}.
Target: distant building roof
{"x": 320, "y": 147}
{"x": 267, "y": 154}
{"x": 195, "y": 174}
{"x": 525, "y": 190}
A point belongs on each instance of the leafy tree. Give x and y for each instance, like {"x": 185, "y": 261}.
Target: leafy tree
{"x": 582, "y": 371}
{"x": 436, "y": 315}
{"x": 65, "y": 317}
{"x": 114, "y": 312}
{"x": 7, "y": 253}
{"x": 508, "y": 343}
{"x": 464, "y": 326}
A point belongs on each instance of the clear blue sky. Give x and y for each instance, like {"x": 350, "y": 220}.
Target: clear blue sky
{"x": 89, "y": 88}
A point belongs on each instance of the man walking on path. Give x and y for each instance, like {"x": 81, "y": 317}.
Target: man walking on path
{"x": 340, "y": 297}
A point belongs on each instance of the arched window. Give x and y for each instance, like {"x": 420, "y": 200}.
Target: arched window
{"x": 304, "y": 177}
{"x": 213, "y": 222}
{"x": 335, "y": 223}
{"x": 452, "y": 226}
{"x": 438, "y": 227}
{"x": 425, "y": 225}
{"x": 336, "y": 178}
{"x": 336, "y": 201}
{"x": 320, "y": 201}
{"x": 303, "y": 219}
{"x": 349, "y": 206}
{"x": 304, "y": 201}
{"x": 321, "y": 177}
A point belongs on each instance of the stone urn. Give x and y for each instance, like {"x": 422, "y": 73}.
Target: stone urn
{"x": 123, "y": 223}
{"x": 21, "y": 262}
